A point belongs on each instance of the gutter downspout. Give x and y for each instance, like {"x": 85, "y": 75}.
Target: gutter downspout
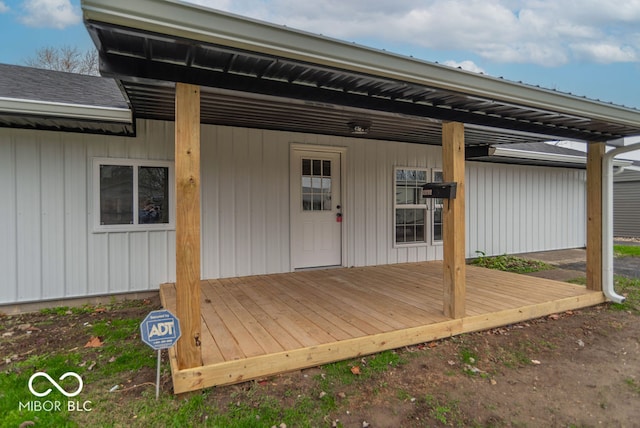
{"x": 607, "y": 221}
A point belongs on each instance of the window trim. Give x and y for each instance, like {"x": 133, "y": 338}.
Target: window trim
{"x": 135, "y": 164}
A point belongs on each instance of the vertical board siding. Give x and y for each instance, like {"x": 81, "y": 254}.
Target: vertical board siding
{"x": 8, "y": 219}
{"x": 52, "y": 216}
{"x": 49, "y": 250}
{"x": 246, "y": 200}
{"x": 28, "y": 228}
{"x": 516, "y": 209}
{"x": 76, "y": 223}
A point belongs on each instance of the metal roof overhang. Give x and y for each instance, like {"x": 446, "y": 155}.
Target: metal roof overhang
{"x": 260, "y": 75}
{"x": 505, "y": 154}
{"x": 56, "y": 116}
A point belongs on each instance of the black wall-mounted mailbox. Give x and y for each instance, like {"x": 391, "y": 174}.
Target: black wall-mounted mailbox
{"x": 439, "y": 190}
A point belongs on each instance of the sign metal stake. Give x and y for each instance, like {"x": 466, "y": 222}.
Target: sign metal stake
{"x": 158, "y": 375}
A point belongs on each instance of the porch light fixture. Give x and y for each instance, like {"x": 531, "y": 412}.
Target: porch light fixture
{"x": 359, "y": 127}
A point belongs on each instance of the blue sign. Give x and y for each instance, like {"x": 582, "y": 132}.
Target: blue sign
{"x": 160, "y": 329}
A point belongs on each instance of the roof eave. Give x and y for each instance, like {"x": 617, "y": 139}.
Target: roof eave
{"x": 189, "y": 21}
{"x": 64, "y": 110}
{"x": 548, "y": 157}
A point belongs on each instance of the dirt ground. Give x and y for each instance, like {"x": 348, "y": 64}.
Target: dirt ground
{"x": 579, "y": 368}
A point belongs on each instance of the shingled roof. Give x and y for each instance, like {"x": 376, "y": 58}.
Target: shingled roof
{"x": 46, "y": 99}
{"x": 60, "y": 87}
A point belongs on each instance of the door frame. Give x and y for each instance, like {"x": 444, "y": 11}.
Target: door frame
{"x": 342, "y": 151}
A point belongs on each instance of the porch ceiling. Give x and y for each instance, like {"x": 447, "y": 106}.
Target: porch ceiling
{"x": 259, "y": 75}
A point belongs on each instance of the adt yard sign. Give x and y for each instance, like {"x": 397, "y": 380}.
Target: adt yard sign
{"x": 160, "y": 329}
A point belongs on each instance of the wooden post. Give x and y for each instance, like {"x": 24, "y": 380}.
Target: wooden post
{"x": 453, "y": 229}
{"x": 595, "y": 154}
{"x": 187, "y": 176}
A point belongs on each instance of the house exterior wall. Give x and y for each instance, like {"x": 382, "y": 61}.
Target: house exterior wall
{"x": 50, "y": 250}
{"x": 515, "y": 208}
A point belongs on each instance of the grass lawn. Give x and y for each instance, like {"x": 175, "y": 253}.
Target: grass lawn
{"x": 626, "y": 250}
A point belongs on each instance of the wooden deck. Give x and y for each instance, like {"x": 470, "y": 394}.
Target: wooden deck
{"x": 263, "y": 325}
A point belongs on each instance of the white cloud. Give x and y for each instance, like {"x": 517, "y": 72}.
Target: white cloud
{"x": 465, "y": 65}
{"x": 3, "y": 7}
{"x": 50, "y": 13}
{"x": 545, "y": 32}
{"x": 605, "y": 52}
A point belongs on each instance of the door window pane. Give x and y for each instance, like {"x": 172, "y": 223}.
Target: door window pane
{"x": 306, "y": 167}
{"x": 326, "y": 185}
{"x": 316, "y": 185}
{"x": 326, "y": 168}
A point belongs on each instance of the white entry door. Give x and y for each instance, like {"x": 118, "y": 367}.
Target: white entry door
{"x": 316, "y": 209}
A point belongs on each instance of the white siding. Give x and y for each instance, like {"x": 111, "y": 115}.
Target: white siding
{"x": 516, "y": 209}
{"x": 245, "y": 200}
{"x": 48, "y": 248}
{"x": 8, "y": 222}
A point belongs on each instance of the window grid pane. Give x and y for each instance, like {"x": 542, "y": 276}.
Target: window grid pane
{"x": 316, "y": 185}
{"x": 410, "y": 225}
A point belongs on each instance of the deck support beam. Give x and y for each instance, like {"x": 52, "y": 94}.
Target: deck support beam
{"x": 595, "y": 155}
{"x": 187, "y": 177}
{"x": 453, "y": 233}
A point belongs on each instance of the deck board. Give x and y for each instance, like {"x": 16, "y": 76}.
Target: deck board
{"x": 265, "y": 324}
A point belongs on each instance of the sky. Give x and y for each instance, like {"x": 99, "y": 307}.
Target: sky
{"x": 585, "y": 47}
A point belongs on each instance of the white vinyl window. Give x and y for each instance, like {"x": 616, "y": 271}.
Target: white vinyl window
{"x": 133, "y": 194}
{"x": 417, "y": 220}
{"x": 410, "y": 207}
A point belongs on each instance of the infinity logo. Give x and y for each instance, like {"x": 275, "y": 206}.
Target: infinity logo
{"x": 54, "y": 383}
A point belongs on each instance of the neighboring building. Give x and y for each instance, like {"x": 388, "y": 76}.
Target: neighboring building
{"x": 626, "y": 202}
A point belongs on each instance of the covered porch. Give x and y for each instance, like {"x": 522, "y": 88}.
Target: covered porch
{"x": 259, "y": 326}
{"x": 195, "y": 66}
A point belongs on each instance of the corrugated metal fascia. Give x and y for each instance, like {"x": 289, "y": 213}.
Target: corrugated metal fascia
{"x": 197, "y": 23}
